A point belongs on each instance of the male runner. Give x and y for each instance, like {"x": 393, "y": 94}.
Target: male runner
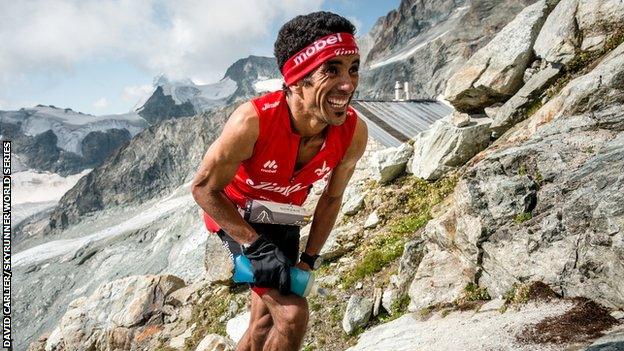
{"x": 273, "y": 148}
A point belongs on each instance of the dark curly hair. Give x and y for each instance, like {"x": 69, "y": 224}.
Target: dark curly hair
{"x": 302, "y": 30}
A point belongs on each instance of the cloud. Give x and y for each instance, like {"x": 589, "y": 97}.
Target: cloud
{"x": 187, "y": 38}
{"x": 357, "y": 23}
{"x": 100, "y": 103}
{"x": 137, "y": 94}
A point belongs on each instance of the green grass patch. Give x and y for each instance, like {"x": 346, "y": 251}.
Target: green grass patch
{"x": 473, "y": 292}
{"x": 206, "y": 315}
{"x": 410, "y": 224}
{"x": 377, "y": 255}
{"x": 523, "y": 217}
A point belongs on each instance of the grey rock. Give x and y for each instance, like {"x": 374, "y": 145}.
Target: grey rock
{"x": 353, "y": 205}
{"x": 177, "y": 342}
{"x": 390, "y": 163}
{"x": 377, "y": 296}
{"x": 338, "y": 243}
{"x": 357, "y": 314}
{"x": 441, "y": 277}
{"x": 496, "y": 71}
{"x": 237, "y": 326}
{"x": 387, "y": 299}
{"x": 460, "y": 119}
{"x": 598, "y": 18}
{"x": 492, "y": 111}
{"x": 617, "y": 314}
{"x": 613, "y": 340}
{"x": 593, "y": 43}
{"x": 371, "y": 221}
{"x": 558, "y": 39}
{"x": 493, "y": 305}
{"x": 217, "y": 260}
{"x": 559, "y": 167}
{"x": 443, "y": 147}
{"x": 215, "y": 342}
{"x": 115, "y": 307}
{"x": 514, "y": 110}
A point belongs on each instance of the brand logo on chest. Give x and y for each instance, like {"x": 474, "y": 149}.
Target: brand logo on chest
{"x": 323, "y": 170}
{"x": 269, "y": 166}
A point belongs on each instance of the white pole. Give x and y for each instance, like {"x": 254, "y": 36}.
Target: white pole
{"x": 397, "y": 91}
{"x": 407, "y": 93}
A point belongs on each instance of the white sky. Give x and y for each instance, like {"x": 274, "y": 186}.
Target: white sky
{"x": 100, "y": 56}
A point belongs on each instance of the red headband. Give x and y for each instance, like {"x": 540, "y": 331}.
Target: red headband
{"x": 315, "y": 54}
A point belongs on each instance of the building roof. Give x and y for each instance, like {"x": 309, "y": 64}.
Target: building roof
{"x": 394, "y": 122}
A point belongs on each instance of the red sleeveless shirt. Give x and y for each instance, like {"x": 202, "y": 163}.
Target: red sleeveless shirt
{"x": 270, "y": 172}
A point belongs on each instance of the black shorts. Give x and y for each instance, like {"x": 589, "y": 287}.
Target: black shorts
{"x": 285, "y": 237}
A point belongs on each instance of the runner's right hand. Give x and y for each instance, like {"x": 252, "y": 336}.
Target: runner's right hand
{"x": 271, "y": 268}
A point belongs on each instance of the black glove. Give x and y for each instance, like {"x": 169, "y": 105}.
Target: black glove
{"x": 271, "y": 268}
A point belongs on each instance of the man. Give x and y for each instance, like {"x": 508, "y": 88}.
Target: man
{"x": 273, "y": 148}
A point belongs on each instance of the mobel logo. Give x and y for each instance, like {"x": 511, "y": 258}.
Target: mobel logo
{"x": 316, "y": 47}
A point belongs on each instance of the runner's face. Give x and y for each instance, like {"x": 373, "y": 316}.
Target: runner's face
{"x": 333, "y": 84}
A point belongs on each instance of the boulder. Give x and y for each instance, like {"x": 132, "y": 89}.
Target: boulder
{"x": 514, "y": 110}
{"x": 495, "y": 72}
{"x": 177, "y": 342}
{"x": 441, "y": 277}
{"x": 390, "y": 163}
{"x": 114, "y": 312}
{"x": 357, "y": 314}
{"x": 545, "y": 204}
{"x": 371, "y": 221}
{"x": 353, "y": 205}
{"x": 597, "y": 19}
{"x": 340, "y": 241}
{"x": 215, "y": 342}
{"x": 444, "y": 147}
{"x": 558, "y": 39}
{"x": 217, "y": 260}
{"x": 460, "y": 119}
{"x": 236, "y": 327}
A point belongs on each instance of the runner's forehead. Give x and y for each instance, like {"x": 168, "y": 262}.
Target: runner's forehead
{"x": 342, "y": 59}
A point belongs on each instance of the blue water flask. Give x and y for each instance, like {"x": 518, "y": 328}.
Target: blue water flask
{"x": 301, "y": 281}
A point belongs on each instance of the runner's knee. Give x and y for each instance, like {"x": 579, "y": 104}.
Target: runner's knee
{"x": 293, "y": 319}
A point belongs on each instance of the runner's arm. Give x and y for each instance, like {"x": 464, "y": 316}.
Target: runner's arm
{"x": 329, "y": 203}
{"x": 218, "y": 167}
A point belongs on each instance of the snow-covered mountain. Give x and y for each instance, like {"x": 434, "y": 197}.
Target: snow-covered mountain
{"x": 183, "y": 98}
{"x": 47, "y": 138}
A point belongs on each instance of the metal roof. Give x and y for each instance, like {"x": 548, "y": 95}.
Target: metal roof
{"x": 394, "y": 122}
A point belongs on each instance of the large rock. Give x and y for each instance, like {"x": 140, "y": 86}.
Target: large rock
{"x": 545, "y": 203}
{"x": 441, "y": 277}
{"x": 597, "y": 19}
{"x": 559, "y": 39}
{"x": 215, "y": 342}
{"x": 495, "y": 72}
{"x": 444, "y": 146}
{"x": 390, "y": 163}
{"x": 217, "y": 260}
{"x": 514, "y": 110}
{"x": 114, "y": 313}
{"x": 490, "y": 330}
{"x": 237, "y": 326}
{"x": 357, "y": 314}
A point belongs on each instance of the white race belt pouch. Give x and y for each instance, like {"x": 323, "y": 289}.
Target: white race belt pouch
{"x": 258, "y": 211}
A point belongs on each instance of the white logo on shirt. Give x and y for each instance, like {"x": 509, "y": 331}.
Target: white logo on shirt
{"x": 269, "y": 166}
{"x": 268, "y": 105}
{"x": 321, "y": 171}
{"x": 268, "y": 186}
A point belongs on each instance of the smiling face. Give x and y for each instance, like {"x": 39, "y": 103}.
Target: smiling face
{"x": 330, "y": 88}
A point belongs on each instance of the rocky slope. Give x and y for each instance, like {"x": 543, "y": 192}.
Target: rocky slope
{"x": 423, "y": 42}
